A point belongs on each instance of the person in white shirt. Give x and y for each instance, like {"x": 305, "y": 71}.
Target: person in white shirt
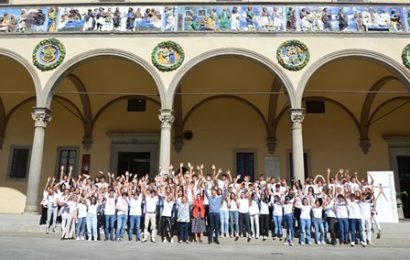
{"x": 342, "y": 217}
{"x": 331, "y": 217}
{"x": 288, "y": 218}
{"x": 233, "y": 215}
{"x": 305, "y": 221}
{"x": 318, "y": 222}
{"x": 81, "y": 219}
{"x": 168, "y": 202}
{"x": 151, "y": 201}
{"x": 366, "y": 213}
{"x": 224, "y": 216}
{"x": 122, "y": 215}
{"x": 254, "y": 215}
{"x": 52, "y": 209}
{"x": 109, "y": 216}
{"x": 264, "y": 216}
{"x": 244, "y": 219}
{"x": 277, "y": 214}
{"x": 92, "y": 206}
{"x": 135, "y": 202}
{"x": 355, "y": 220}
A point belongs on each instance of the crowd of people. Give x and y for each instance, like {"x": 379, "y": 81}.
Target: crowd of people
{"x": 188, "y": 203}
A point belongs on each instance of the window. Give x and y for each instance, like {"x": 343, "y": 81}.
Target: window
{"x": 136, "y": 105}
{"x": 315, "y": 106}
{"x": 67, "y": 156}
{"x": 19, "y": 162}
{"x": 245, "y": 164}
{"x": 4, "y": 1}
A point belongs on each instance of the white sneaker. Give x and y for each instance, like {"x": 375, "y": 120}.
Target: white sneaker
{"x": 370, "y": 243}
{"x": 363, "y": 243}
{"x": 286, "y": 243}
{"x": 352, "y": 244}
{"x": 78, "y": 238}
{"x": 257, "y": 237}
{"x": 153, "y": 240}
{"x": 164, "y": 241}
{"x": 95, "y": 239}
{"x": 89, "y": 239}
{"x": 172, "y": 240}
{"x": 319, "y": 243}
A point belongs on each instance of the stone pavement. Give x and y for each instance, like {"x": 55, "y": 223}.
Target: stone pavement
{"x": 22, "y": 238}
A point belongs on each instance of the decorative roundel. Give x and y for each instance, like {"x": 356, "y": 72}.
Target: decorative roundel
{"x": 167, "y": 56}
{"x": 293, "y": 55}
{"x": 406, "y": 56}
{"x": 48, "y": 54}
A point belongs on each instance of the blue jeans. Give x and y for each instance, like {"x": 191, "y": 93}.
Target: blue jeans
{"x": 356, "y": 223}
{"x": 109, "y": 221}
{"x": 290, "y": 230}
{"x": 277, "y": 220}
{"x": 121, "y": 221}
{"x": 92, "y": 226}
{"x": 80, "y": 227}
{"x": 319, "y": 227}
{"x": 305, "y": 225}
{"x": 344, "y": 229}
{"x": 234, "y": 222}
{"x": 214, "y": 221}
{"x": 183, "y": 231}
{"x": 135, "y": 222}
{"x": 224, "y": 216}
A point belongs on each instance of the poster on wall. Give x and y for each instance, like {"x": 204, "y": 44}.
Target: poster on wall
{"x": 385, "y": 194}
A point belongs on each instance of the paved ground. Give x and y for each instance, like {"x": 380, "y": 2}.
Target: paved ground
{"x": 30, "y": 243}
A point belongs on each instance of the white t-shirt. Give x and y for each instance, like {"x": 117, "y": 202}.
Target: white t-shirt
{"x": 151, "y": 204}
{"x": 264, "y": 209}
{"x": 341, "y": 210}
{"x": 305, "y": 211}
{"x": 317, "y": 212}
{"x": 234, "y": 206}
{"x": 288, "y": 208}
{"x": 224, "y": 206}
{"x": 135, "y": 206}
{"x": 244, "y": 206}
{"x": 82, "y": 210}
{"x": 92, "y": 209}
{"x": 109, "y": 206}
{"x": 366, "y": 209}
{"x": 167, "y": 209}
{"x": 254, "y": 208}
{"x": 354, "y": 210}
{"x": 277, "y": 209}
{"x": 122, "y": 206}
{"x": 330, "y": 212}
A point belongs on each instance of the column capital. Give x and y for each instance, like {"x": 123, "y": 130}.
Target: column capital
{"x": 166, "y": 117}
{"x": 41, "y": 116}
{"x": 297, "y": 115}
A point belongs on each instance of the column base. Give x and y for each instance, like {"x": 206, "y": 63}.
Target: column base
{"x": 31, "y": 210}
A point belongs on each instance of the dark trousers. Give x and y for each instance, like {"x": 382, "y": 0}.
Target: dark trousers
{"x": 166, "y": 227}
{"x": 214, "y": 224}
{"x": 244, "y": 223}
{"x": 332, "y": 226}
{"x": 264, "y": 225}
{"x": 183, "y": 231}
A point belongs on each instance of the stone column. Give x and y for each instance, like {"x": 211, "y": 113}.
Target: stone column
{"x": 41, "y": 117}
{"x": 167, "y": 118}
{"x": 297, "y": 116}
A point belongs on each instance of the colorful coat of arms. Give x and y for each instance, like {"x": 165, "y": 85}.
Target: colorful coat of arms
{"x": 167, "y": 56}
{"x": 293, "y": 55}
{"x": 48, "y": 54}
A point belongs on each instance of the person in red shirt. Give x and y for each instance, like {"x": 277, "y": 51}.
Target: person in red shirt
{"x": 198, "y": 213}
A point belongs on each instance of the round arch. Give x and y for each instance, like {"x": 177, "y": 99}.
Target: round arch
{"x": 29, "y": 68}
{"x": 229, "y": 52}
{"x": 242, "y": 100}
{"x": 116, "y": 100}
{"x": 401, "y": 72}
{"x": 66, "y": 67}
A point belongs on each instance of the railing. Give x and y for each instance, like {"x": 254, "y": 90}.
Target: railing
{"x": 263, "y": 18}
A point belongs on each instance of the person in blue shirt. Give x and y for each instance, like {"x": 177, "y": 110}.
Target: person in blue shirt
{"x": 215, "y": 202}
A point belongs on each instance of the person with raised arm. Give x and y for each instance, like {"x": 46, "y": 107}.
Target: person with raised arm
{"x": 305, "y": 221}
{"x": 109, "y": 215}
{"x": 215, "y": 202}
{"x": 288, "y": 219}
{"x": 135, "y": 202}
{"x": 318, "y": 221}
{"x": 355, "y": 220}
{"x": 151, "y": 202}
{"x": 122, "y": 214}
